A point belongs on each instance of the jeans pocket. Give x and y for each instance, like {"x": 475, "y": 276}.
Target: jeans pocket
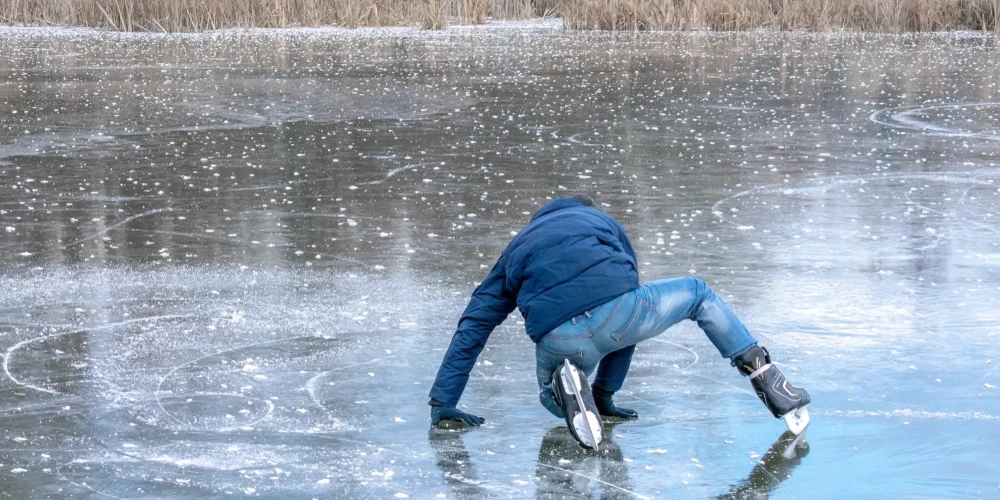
{"x": 627, "y": 331}
{"x": 613, "y": 320}
{"x": 552, "y": 356}
{"x": 571, "y": 340}
{"x": 604, "y": 316}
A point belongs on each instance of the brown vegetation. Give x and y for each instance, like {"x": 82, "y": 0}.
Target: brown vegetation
{"x": 196, "y": 15}
{"x": 817, "y": 15}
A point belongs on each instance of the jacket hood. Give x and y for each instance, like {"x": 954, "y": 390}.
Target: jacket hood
{"x": 555, "y": 205}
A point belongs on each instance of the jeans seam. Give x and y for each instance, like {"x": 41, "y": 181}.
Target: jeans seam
{"x": 631, "y": 321}
{"x": 600, "y": 349}
{"x": 576, "y": 354}
{"x": 600, "y": 327}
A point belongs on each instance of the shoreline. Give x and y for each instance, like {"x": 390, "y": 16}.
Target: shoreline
{"x": 538, "y": 25}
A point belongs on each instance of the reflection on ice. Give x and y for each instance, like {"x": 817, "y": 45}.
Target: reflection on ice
{"x": 774, "y": 466}
{"x": 565, "y": 469}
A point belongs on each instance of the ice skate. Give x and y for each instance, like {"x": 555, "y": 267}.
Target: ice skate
{"x": 572, "y": 392}
{"x": 784, "y": 400}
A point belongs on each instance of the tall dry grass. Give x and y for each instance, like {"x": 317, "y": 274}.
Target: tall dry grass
{"x": 433, "y": 14}
{"x": 470, "y": 11}
{"x": 197, "y": 15}
{"x": 513, "y": 9}
{"x": 546, "y": 8}
{"x": 817, "y": 15}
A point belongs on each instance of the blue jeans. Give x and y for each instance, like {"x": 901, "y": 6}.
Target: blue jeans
{"x": 608, "y": 333}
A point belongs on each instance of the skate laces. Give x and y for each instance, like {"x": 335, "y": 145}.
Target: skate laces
{"x": 759, "y": 363}
{"x": 760, "y": 370}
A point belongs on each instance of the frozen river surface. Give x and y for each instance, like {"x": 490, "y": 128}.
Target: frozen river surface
{"x": 232, "y": 262}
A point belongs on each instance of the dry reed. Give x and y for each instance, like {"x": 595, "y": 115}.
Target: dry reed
{"x": 433, "y": 15}
{"x": 816, "y": 15}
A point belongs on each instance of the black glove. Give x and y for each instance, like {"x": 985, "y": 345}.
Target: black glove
{"x": 440, "y": 411}
{"x": 607, "y": 408}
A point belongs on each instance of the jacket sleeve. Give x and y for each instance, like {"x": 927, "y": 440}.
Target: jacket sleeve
{"x": 489, "y": 306}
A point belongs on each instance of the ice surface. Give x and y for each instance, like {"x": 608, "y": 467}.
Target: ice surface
{"x": 232, "y": 261}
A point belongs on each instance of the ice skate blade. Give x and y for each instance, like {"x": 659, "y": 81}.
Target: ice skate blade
{"x": 585, "y": 425}
{"x": 585, "y": 429}
{"x": 797, "y": 420}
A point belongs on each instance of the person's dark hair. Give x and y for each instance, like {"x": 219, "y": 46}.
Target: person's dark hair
{"x": 584, "y": 200}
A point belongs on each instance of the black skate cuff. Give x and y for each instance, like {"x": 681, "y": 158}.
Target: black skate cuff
{"x": 601, "y": 392}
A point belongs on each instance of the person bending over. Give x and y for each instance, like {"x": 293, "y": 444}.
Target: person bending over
{"x": 574, "y": 276}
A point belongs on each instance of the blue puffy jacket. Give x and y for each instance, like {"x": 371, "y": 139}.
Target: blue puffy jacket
{"x": 570, "y": 258}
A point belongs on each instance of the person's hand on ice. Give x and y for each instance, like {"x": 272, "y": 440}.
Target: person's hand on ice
{"x": 441, "y": 412}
